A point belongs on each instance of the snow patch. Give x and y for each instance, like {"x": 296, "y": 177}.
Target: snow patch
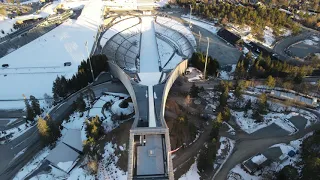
{"x": 65, "y": 165}
{"x": 193, "y": 74}
{"x": 203, "y": 24}
{"x": 258, "y": 159}
{"x": 268, "y": 36}
{"x": 310, "y": 42}
{"x": 124, "y": 111}
{"x": 32, "y": 165}
{"x": 192, "y": 174}
{"x": 65, "y": 43}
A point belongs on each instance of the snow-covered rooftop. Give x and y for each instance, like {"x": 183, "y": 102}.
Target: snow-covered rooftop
{"x": 62, "y": 157}
{"x": 258, "y": 159}
{"x": 73, "y": 139}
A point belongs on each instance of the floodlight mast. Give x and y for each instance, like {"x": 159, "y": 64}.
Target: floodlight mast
{"x": 190, "y": 16}
{"x": 205, "y": 66}
{"x": 86, "y": 44}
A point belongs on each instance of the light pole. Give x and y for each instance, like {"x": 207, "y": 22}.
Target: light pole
{"x": 86, "y": 44}
{"x": 199, "y": 41}
{"x": 190, "y": 16}
{"x": 205, "y": 66}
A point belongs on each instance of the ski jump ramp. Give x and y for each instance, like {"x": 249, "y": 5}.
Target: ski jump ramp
{"x": 148, "y": 85}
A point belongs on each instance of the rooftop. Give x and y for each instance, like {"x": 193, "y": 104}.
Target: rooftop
{"x": 73, "y": 139}
{"x": 150, "y": 160}
{"x": 63, "y": 157}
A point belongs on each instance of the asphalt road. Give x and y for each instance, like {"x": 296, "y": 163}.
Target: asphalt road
{"x": 302, "y": 50}
{"x": 29, "y": 141}
{"x": 218, "y": 48}
{"x": 247, "y": 145}
{"x": 283, "y": 44}
{"x": 4, "y": 123}
{"x": 245, "y": 149}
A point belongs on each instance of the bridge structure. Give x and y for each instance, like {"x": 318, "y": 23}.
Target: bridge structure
{"x": 148, "y": 85}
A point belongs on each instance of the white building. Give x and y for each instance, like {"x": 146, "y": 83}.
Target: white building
{"x": 311, "y": 101}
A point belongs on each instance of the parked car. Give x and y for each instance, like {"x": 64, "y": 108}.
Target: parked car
{"x": 67, "y": 64}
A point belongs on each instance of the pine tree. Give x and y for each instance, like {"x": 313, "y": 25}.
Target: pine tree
{"x": 48, "y": 129}
{"x": 219, "y": 117}
{"x": 54, "y": 129}
{"x": 81, "y": 105}
{"x": 248, "y": 105}
{"x": 226, "y": 114}
{"x": 288, "y": 172}
{"x": 64, "y": 87}
{"x": 56, "y": 89}
{"x": 270, "y": 82}
{"x": 224, "y": 97}
{"x": 238, "y": 92}
{"x": 262, "y": 104}
{"x": 35, "y": 105}
{"x": 30, "y": 112}
{"x": 94, "y": 128}
{"x": 194, "y": 90}
{"x": 91, "y": 94}
{"x": 43, "y": 128}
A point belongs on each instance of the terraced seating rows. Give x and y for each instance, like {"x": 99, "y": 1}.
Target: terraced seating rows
{"x": 124, "y": 48}
{"x": 180, "y": 40}
{"x": 172, "y": 24}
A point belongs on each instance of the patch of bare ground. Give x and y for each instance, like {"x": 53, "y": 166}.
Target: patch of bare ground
{"x": 179, "y": 105}
{"x": 120, "y": 136}
{"x": 182, "y": 130}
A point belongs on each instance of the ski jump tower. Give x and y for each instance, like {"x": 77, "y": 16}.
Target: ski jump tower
{"x": 149, "y": 155}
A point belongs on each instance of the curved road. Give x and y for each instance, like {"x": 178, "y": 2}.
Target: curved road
{"x": 283, "y": 44}
{"x": 29, "y": 142}
{"x": 248, "y": 145}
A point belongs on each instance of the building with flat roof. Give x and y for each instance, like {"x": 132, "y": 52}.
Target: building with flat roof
{"x": 150, "y": 158}
{"x": 73, "y": 139}
{"x": 63, "y": 157}
{"x": 308, "y": 100}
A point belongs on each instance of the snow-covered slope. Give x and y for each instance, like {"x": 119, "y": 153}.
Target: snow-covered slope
{"x": 66, "y": 43}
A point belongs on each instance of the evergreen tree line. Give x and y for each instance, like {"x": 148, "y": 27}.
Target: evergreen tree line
{"x": 262, "y": 67}
{"x": 62, "y": 87}
{"x": 198, "y": 61}
{"x": 301, "y": 4}
{"x": 255, "y": 16}
{"x": 311, "y": 157}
